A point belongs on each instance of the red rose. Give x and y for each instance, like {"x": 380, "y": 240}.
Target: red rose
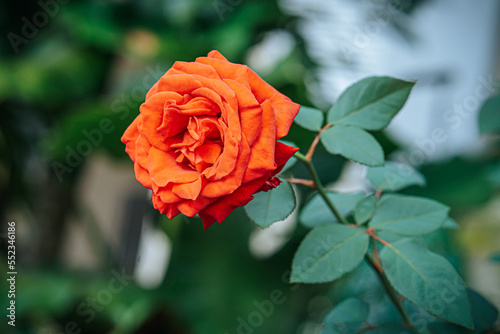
{"x": 206, "y": 138}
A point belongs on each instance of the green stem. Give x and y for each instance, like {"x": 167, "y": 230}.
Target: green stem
{"x": 390, "y": 291}
{"x": 385, "y": 282}
{"x": 319, "y": 187}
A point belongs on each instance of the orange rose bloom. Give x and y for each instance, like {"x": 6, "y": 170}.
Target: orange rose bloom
{"x": 206, "y": 138}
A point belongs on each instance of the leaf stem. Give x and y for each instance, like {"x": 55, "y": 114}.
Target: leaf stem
{"x": 315, "y": 142}
{"x": 389, "y": 290}
{"x": 377, "y": 267}
{"x": 307, "y": 183}
{"x": 320, "y": 188}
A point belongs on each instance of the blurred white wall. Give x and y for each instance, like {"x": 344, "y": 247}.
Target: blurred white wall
{"x": 451, "y": 49}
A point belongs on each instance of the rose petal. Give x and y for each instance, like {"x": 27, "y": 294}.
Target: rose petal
{"x": 142, "y": 147}
{"x": 173, "y": 122}
{"x": 285, "y": 111}
{"x": 166, "y": 194}
{"x": 284, "y": 108}
{"x": 196, "y": 68}
{"x": 221, "y": 208}
{"x": 179, "y": 83}
{"x": 249, "y": 109}
{"x": 189, "y": 190}
{"x": 153, "y": 90}
{"x": 192, "y": 208}
{"x": 232, "y": 181}
{"x": 171, "y": 211}
{"x": 283, "y": 154}
{"x": 129, "y": 138}
{"x": 158, "y": 204}
{"x": 262, "y": 153}
{"x": 216, "y": 54}
{"x": 222, "y": 90}
{"x": 142, "y": 175}
{"x": 164, "y": 169}
{"x": 152, "y": 117}
{"x": 196, "y": 106}
{"x": 260, "y": 88}
{"x": 209, "y": 152}
{"x": 228, "y": 159}
{"x": 207, "y": 220}
{"x": 227, "y": 70}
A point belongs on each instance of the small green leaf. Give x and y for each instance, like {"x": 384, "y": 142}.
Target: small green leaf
{"x": 394, "y": 176}
{"x": 484, "y": 313}
{"x": 271, "y": 206}
{"x": 347, "y": 317}
{"x": 328, "y": 252}
{"x": 489, "y": 116}
{"x": 353, "y": 143}
{"x": 449, "y": 224}
{"x": 428, "y": 280}
{"x": 364, "y": 209}
{"x": 316, "y": 211}
{"x": 408, "y": 215}
{"x": 370, "y": 103}
{"x": 310, "y": 118}
{"x": 349, "y": 310}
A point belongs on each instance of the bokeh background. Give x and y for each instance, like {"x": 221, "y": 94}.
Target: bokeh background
{"x": 93, "y": 256}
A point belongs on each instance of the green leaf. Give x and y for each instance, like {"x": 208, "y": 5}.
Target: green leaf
{"x": 364, "y": 209}
{"x": 317, "y": 212}
{"x": 408, "y": 215}
{"x": 394, "y": 176}
{"x": 328, "y": 252}
{"x": 445, "y": 327}
{"x": 271, "y": 206}
{"x": 489, "y": 116}
{"x": 484, "y": 313}
{"x": 370, "y": 103}
{"x": 310, "y": 118}
{"x": 428, "y": 280}
{"x": 353, "y": 143}
{"x": 449, "y": 224}
{"x": 347, "y": 317}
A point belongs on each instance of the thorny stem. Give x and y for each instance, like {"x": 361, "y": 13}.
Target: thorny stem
{"x": 389, "y": 290}
{"x": 376, "y": 257}
{"x": 319, "y": 187}
{"x": 308, "y": 183}
{"x": 315, "y": 142}
{"x": 377, "y": 266}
